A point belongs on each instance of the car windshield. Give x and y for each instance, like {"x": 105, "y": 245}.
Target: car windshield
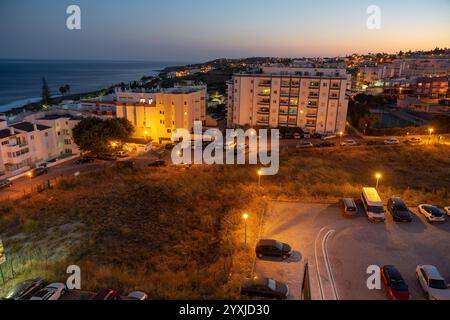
{"x": 376, "y": 209}
{"x": 434, "y": 211}
{"x": 438, "y": 284}
{"x": 17, "y": 290}
{"x": 272, "y": 284}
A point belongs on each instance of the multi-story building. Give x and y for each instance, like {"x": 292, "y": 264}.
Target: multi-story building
{"x": 155, "y": 114}
{"x": 24, "y": 144}
{"x": 432, "y": 87}
{"x": 102, "y": 106}
{"x": 313, "y": 99}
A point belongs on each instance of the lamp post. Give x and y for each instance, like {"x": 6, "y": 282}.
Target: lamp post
{"x": 340, "y": 137}
{"x": 378, "y": 176}
{"x": 429, "y": 137}
{"x": 245, "y": 217}
{"x": 259, "y": 177}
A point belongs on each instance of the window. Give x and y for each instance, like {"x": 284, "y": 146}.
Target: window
{"x": 32, "y": 137}
{"x": 4, "y": 142}
{"x": 325, "y": 84}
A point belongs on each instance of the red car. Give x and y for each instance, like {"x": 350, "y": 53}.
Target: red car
{"x": 396, "y": 287}
{"x": 107, "y": 294}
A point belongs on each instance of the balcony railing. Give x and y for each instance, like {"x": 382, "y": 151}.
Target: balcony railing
{"x": 263, "y": 111}
{"x": 311, "y": 115}
{"x": 265, "y": 84}
{"x": 264, "y": 102}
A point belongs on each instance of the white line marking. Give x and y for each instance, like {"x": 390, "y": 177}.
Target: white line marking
{"x": 317, "y": 263}
{"x": 327, "y": 262}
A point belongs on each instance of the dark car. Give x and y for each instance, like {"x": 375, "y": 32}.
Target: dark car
{"x": 85, "y": 160}
{"x": 396, "y": 287}
{"x": 25, "y": 290}
{"x": 325, "y": 144}
{"x": 157, "y": 163}
{"x": 37, "y": 172}
{"x": 106, "y": 294}
{"x": 348, "y": 207}
{"x": 5, "y": 183}
{"x": 398, "y": 210}
{"x": 265, "y": 287}
{"x": 273, "y": 248}
{"x": 108, "y": 157}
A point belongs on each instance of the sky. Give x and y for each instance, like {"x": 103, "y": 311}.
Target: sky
{"x": 200, "y": 30}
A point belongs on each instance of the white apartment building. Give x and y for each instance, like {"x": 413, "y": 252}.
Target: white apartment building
{"x": 155, "y": 114}
{"x": 24, "y": 144}
{"x": 313, "y": 99}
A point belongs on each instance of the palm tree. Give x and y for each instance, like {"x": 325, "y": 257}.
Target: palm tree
{"x": 45, "y": 92}
{"x": 62, "y": 90}
{"x": 67, "y": 88}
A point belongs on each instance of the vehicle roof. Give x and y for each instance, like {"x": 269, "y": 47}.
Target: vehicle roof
{"x": 267, "y": 242}
{"x": 372, "y": 195}
{"x": 393, "y": 272}
{"x": 397, "y": 200}
{"x": 258, "y": 281}
{"x": 432, "y": 272}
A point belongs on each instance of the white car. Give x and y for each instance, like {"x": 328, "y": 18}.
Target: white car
{"x": 447, "y": 210}
{"x": 138, "y": 295}
{"x": 432, "y": 283}
{"x": 431, "y": 213}
{"x": 349, "y": 143}
{"x": 53, "y": 291}
{"x": 391, "y": 141}
{"x": 328, "y": 137}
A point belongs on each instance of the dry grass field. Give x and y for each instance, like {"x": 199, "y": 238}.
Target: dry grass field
{"x": 179, "y": 233}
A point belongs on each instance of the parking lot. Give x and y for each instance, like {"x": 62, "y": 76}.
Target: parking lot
{"x": 339, "y": 249}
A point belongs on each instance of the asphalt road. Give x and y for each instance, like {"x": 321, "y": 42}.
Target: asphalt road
{"x": 340, "y": 249}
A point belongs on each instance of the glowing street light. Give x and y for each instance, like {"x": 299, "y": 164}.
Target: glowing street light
{"x": 429, "y": 137}
{"x": 340, "y": 137}
{"x": 245, "y": 217}
{"x": 259, "y": 177}
{"x": 378, "y": 176}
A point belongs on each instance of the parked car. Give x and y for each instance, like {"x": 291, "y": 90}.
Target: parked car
{"x": 348, "y": 207}
{"x": 85, "y": 160}
{"x": 107, "y": 157}
{"x": 25, "y": 290}
{"x": 447, "y": 210}
{"x": 325, "y": 144}
{"x": 157, "y": 163}
{"x": 138, "y": 295}
{"x": 106, "y": 294}
{"x": 273, "y": 248}
{"x": 304, "y": 145}
{"x": 265, "y": 287}
{"x": 297, "y": 136}
{"x": 37, "y": 172}
{"x": 122, "y": 154}
{"x": 306, "y": 136}
{"x": 396, "y": 287}
{"x": 5, "y": 183}
{"x": 53, "y": 291}
{"x": 349, "y": 143}
{"x": 328, "y": 137}
{"x": 372, "y": 204}
{"x": 413, "y": 141}
{"x": 432, "y": 283}
{"x": 398, "y": 210}
{"x": 288, "y": 135}
{"x": 431, "y": 213}
{"x": 391, "y": 141}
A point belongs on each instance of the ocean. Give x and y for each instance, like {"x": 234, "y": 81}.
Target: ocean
{"x": 21, "y": 80}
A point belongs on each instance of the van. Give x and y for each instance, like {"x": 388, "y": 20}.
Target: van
{"x": 372, "y": 204}
{"x": 348, "y": 207}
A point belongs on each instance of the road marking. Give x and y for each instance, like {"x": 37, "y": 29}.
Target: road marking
{"x": 327, "y": 262}
{"x": 317, "y": 263}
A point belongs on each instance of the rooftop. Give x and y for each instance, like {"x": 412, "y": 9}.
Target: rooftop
{"x": 5, "y": 133}
{"x": 28, "y": 126}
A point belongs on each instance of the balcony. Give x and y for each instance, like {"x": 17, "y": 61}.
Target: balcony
{"x": 285, "y": 84}
{"x": 314, "y": 85}
{"x": 334, "y": 97}
{"x": 262, "y": 121}
{"x": 311, "y": 125}
{"x": 311, "y": 115}
{"x": 312, "y": 95}
{"x": 263, "y": 111}
{"x": 313, "y": 105}
{"x": 265, "y": 84}
{"x": 264, "y": 101}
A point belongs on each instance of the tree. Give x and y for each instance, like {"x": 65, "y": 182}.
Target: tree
{"x": 62, "y": 90}
{"x": 96, "y": 135}
{"x": 45, "y": 92}
{"x": 67, "y": 88}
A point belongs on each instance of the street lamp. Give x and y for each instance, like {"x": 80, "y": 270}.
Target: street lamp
{"x": 259, "y": 177}
{"x": 340, "y": 137}
{"x": 378, "y": 176}
{"x": 245, "y": 217}
{"x": 431, "y": 132}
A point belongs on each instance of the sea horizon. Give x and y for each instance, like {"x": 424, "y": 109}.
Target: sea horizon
{"x": 21, "y": 79}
